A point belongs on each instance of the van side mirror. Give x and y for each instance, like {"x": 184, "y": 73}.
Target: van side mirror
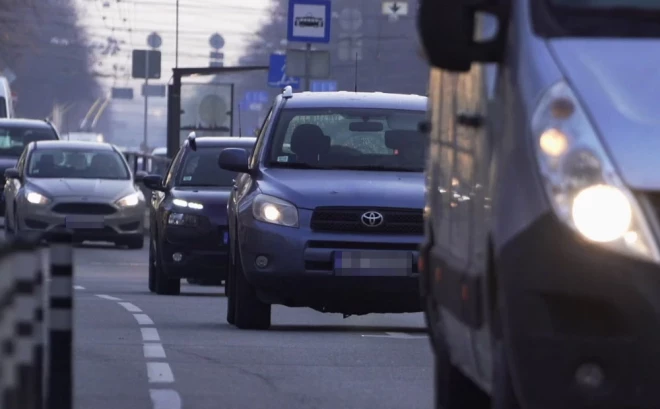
{"x": 12, "y": 173}
{"x": 154, "y": 182}
{"x": 447, "y": 27}
{"x": 235, "y": 160}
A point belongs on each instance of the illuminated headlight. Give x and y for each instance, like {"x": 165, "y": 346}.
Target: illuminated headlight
{"x": 131, "y": 200}
{"x": 184, "y": 203}
{"x": 37, "y": 198}
{"x": 580, "y": 180}
{"x": 182, "y": 219}
{"x": 272, "y": 210}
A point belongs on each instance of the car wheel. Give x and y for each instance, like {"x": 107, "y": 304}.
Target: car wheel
{"x": 249, "y": 311}
{"x": 135, "y": 243}
{"x": 229, "y": 293}
{"x": 152, "y": 267}
{"x": 164, "y": 284}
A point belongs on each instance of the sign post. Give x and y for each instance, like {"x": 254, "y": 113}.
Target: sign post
{"x": 217, "y": 57}
{"x": 309, "y": 22}
{"x": 146, "y": 64}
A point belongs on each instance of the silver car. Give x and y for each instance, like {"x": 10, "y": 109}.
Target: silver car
{"x": 85, "y": 187}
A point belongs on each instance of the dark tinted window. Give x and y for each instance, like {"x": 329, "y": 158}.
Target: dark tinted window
{"x": 77, "y": 164}
{"x": 200, "y": 168}
{"x": 13, "y": 139}
{"x": 3, "y": 107}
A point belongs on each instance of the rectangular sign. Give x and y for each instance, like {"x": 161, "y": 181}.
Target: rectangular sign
{"x": 323, "y": 86}
{"x": 395, "y": 8}
{"x": 319, "y": 63}
{"x": 373, "y": 263}
{"x": 122, "y": 93}
{"x": 309, "y": 21}
{"x": 154, "y": 90}
{"x": 216, "y": 64}
{"x": 141, "y": 64}
{"x": 277, "y": 77}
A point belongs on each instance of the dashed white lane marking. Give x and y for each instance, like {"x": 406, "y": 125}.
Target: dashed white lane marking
{"x": 154, "y": 351}
{"x": 143, "y": 319}
{"x": 108, "y": 297}
{"x": 165, "y": 399}
{"x": 78, "y": 287}
{"x": 150, "y": 334}
{"x": 159, "y": 372}
{"x": 395, "y": 335}
{"x": 130, "y": 307}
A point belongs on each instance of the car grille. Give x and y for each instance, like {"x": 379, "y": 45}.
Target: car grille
{"x": 349, "y": 220}
{"x": 84, "y": 208}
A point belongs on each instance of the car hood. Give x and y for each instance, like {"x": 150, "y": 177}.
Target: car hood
{"x": 214, "y": 201}
{"x": 308, "y": 189}
{"x": 95, "y": 189}
{"x": 619, "y": 85}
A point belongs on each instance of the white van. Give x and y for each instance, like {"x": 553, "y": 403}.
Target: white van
{"x": 6, "y": 102}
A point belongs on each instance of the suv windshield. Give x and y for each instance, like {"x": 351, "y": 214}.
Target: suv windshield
{"x": 200, "y": 169}
{"x": 349, "y": 138}
{"x": 13, "y": 139}
{"x": 77, "y": 164}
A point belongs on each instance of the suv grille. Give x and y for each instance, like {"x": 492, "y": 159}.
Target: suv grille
{"x": 84, "y": 208}
{"x": 349, "y": 220}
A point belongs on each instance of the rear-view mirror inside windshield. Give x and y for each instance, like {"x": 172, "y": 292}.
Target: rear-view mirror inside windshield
{"x": 366, "y": 126}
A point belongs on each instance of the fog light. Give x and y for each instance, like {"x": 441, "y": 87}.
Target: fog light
{"x": 177, "y": 257}
{"x": 589, "y": 376}
{"x": 261, "y": 261}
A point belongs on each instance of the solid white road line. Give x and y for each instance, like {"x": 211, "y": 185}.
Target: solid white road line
{"x": 165, "y": 399}
{"x": 130, "y": 307}
{"x": 159, "y": 372}
{"x": 78, "y": 287}
{"x": 150, "y": 334}
{"x": 153, "y": 351}
{"x": 143, "y": 319}
{"x": 108, "y": 297}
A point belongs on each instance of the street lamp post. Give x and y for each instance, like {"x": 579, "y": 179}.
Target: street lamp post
{"x": 176, "y": 41}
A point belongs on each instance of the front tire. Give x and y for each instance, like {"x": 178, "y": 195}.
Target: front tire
{"x": 135, "y": 243}
{"x": 164, "y": 284}
{"x": 249, "y": 311}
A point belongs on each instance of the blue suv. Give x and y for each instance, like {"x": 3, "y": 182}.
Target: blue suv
{"x": 327, "y": 211}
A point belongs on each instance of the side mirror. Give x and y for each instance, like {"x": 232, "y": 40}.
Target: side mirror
{"x": 12, "y": 173}
{"x": 235, "y": 160}
{"x": 140, "y": 175}
{"x": 153, "y": 182}
{"x": 438, "y": 21}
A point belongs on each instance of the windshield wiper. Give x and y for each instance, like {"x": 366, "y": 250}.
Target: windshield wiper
{"x": 379, "y": 167}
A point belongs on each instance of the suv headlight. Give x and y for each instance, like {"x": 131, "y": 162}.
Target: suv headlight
{"x": 130, "y": 200}
{"x": 36, "y": 198}
{"x": 580, "y": 180}
{"x": 272, "y": 210}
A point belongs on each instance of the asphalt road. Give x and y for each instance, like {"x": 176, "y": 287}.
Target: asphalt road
{"x": 136, "y": 350}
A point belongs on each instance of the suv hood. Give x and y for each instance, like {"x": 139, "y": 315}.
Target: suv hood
{"x": 309, "y": 189}
{"x": 99, "y": 189}
{"x": 618, "y": 82}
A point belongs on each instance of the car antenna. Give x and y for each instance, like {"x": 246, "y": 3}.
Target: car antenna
{"x": 356, "y": 70}
{"x": 240, "y": 132}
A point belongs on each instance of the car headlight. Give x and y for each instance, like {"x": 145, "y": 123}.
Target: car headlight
{"x": 183, "y": 219}
{"x": 270, "y": 209}
{"x": 36, "y": 198}
{"x": 185, "y": 203}
{"x": 131, "y": 200}
{"x": 580, "y": 180}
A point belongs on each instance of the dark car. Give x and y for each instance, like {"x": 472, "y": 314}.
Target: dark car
{"x": 189, "y": 237}
{"x": 15, "y": 134}
{"x": 328, "y": 210}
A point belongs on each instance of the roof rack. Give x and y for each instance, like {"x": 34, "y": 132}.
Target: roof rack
{"x": 287, "y": 92}
{"x": 191, "y": 140}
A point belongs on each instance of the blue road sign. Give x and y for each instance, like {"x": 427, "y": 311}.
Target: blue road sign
{"x": 277, "y": 77}
{"x": 323, "y": 85}
{"x": 309, "y": 21}
{"x": 256, "y": 97}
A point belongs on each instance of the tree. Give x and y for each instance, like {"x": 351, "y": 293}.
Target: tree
{"x": 41, "y": 44}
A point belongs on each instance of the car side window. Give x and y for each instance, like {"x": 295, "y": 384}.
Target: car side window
{"x": 260, "y": 139}
{"x": 20, "y": 165}
{"x": 173, "y": 166}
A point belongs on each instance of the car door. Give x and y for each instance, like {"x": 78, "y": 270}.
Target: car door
{"x": 13, "y": 186}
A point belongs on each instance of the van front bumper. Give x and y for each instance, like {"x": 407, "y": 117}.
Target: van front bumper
{"x": 569, "y": 303}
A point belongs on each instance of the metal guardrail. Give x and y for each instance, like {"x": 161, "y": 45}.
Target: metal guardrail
{"x": 36, "y": 324}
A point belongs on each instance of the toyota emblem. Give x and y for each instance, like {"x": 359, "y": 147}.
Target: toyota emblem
{"x": 372, "y": 219}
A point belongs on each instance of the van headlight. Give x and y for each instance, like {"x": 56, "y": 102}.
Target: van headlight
{"x": 580, "y": 180}
{"x": 273, "y": 210}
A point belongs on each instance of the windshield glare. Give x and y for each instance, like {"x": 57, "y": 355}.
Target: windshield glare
{"x": 14, "y": 139}
{"x": 345, "y": 138}
{"x": 201, "y": 169}
{"x": 77, "y": 164}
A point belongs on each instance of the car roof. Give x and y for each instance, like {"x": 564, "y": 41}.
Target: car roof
{"x": 224, "y": 141}
{"x": 67, "y": 144}
{"x": 24, "y": 122}
{"x": 345, "y": 99}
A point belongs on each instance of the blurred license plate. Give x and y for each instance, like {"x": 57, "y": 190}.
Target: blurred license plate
{"x": 84, "y": 222}
{"x": 373, "y": 263}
